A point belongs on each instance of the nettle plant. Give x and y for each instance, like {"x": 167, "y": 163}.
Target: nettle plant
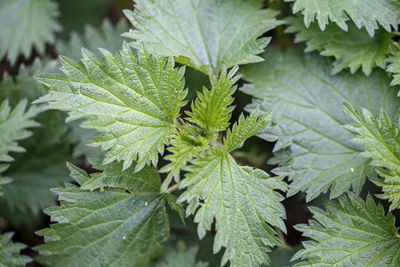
{"x": 333, "y": 117}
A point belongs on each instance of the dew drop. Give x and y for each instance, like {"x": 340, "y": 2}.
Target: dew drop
{"x": 146, "y": 203}
{"x": 351, "y": 169}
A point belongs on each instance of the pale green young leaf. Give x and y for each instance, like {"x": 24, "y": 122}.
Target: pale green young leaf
{"x": 205, "y": 34}
{"x": 10, "y": 252}
{"x": 364, "y": 13}
{"x": 132, "y": 99}
{"x": 26, "y": 24}
{"x": 212, "y": 108}
{"x": 112, "y": 227}
{"x": 106, "y": 36}
{"x": 246, "y": 128}
{"x": 241, "y": 200}
{"x": 351, "y": 49}
{"x": 381, "y": 139}
{"x": 354, "y": 233}
{"x": 307, "y": 106}
{"x": 184, "y": 148}
{"x": 180, "y": 257}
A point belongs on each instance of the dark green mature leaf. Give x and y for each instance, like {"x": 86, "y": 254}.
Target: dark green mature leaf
{"x": 120, "y": 225}
{"x": 44, "y": 166}
{"x": 26, "y": 24}
{"x": 111, "y": 176}
{"x": 353, "y": 49}
{"x": 134, "y": 100}
{"x": 181, "y": 257}
{"x": 10, "y": 252}
{"x": 33, "y": 175}
{"x": 14, "y": 124}
{"x": 240, "y": 199}
{"x": 212, "y": 108}
{"x": 206, "y": 34}
{"x": 281, "y": 256}
{"x": 354, "y": 233}
{"x": 306, "y": 101}
{"x": 106, "y": 36}
{"x": 381, "y": 139}
{"x": 364, "y": 13}
{"x": 24, "y": 85}
{"x": 394, "y": 64}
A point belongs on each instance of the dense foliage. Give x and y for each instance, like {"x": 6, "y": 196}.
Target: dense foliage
{"x": 197, "y": 132}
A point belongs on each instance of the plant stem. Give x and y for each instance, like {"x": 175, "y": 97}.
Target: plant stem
{"x": 172, "y": 188}
{"x": 281, "y": 236}
{"x": 165, "y": 184}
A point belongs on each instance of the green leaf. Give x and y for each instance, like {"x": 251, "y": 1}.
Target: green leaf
{"x": 309, "y": 118}
{"x": 281, "y": 256}
{"x": 364, "y": 13}
{"x": 106, "y": 36}
{"x": 381, "y": 139}
{"x": 133, "y": 100}
{"x": 394, "y": 64}
{"x": 246, "y": 128}
{"x": 184, "y": 148}
{"x": 352, "y": 49}
{"x": 212, "y": 108}
{"x": 354, "y": 233}
{"x": 33, "y": 176}
{"x": 147, "y": 179}
{"x": 26, "y": 24}
{"x": 205, "y": 35}
{"x": 181, "y": 257}
{"x": 10, "y": 252}
{"x": 23, "y": 85}
{"x": 14, "y": 124}
{"x": 113, "y": 226}
{"x": 240, "y": 199}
